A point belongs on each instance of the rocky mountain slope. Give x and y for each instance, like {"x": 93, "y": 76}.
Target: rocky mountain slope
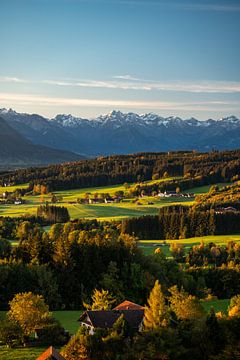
{"x": 117, "y": 133}
{"x": 17, "y": 151}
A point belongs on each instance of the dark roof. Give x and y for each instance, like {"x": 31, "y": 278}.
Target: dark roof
{"x": 106, "y": 318}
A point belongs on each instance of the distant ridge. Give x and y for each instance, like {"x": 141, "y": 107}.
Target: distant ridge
{"x": 16, "y": 151}
{"x": 119, "y": 133}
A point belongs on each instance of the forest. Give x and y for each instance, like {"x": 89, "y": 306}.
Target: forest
{"x": 49, "y": 262}
{"x": 196, "y": 169}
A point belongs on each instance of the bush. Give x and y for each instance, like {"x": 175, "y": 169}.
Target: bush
{"x": 10, "y": 333}
{"x": 52, "y": 334}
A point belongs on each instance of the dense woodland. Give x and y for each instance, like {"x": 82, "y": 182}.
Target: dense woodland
{"x": 180, "y": 222}
{"x": 68, "y": 262}
{"x": 64, "y": 267}
{"x": 196, "y": 169}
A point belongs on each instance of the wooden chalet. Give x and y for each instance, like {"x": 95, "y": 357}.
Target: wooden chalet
{"x": 105, "y": 319}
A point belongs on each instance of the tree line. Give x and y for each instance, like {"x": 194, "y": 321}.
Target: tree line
{"x": 180, "y": 222}
{"x": 196, "y": 168}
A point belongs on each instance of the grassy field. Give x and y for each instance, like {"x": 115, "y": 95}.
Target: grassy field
{"x": 149, "y": 246}
{"x": 205, "y": 189}
{"x": 29, "y": 353}
{"x": 67, "y": 318}
{"x": 115, "y": 211}
{"x": 218, "y": 305}
{"x": 12, "y": 188}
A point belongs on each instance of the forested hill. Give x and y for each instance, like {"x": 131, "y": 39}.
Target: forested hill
{"x": 195, "y": 169}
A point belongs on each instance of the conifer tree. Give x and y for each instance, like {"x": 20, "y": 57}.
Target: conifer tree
{"x": 156, "y": 312}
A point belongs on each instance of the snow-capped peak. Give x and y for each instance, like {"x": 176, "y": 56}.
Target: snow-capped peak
{"x": 230, "y": 119}
{"x": 8, "y": 111}
{"x": 67, "y": 120}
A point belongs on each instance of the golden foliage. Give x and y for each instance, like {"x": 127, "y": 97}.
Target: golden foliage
{"x": 156, "y": 312}
{"x": 101, "y": 300}
{"x": 29, "y": 311}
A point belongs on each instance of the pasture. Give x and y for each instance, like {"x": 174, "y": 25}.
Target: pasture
{"x": 149, "y": 246}
{"x": 111, "y": 211}
{"x": 27, "y": 353}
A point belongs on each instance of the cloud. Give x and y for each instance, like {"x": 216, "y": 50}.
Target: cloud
{"x": 211, "y": 7}
{"x": 41, "y": 100}
{"x": 12, "y": 79}
{"x": 128, "y": 82}
{"x": 126, "y": 77}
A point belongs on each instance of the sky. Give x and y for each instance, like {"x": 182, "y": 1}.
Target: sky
{"x": 89, "y": 57}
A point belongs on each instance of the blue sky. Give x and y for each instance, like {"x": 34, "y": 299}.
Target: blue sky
{"x": 88, "y": 57}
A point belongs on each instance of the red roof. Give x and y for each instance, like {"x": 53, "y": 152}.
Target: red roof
{"x": 128, "y": 305}
{"x": 50, "y": 352}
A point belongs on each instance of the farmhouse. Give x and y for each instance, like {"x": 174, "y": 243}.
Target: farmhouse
{"x": 109, "y": 200}
{"x": 105, "y": 319}
{"x": 51, "y": 354}
{"x": 128, "y": 305}
{"x": 18, "y": 201}
{"x": 223, "y": 210}
{"x": 96, "y": 201}
{"x": 168, "y": 194}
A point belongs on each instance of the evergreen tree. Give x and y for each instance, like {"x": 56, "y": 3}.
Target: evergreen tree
{"x": 156, "y": 312}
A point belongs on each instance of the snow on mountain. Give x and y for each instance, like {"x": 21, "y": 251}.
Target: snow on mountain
{"x": 118, "y": 132}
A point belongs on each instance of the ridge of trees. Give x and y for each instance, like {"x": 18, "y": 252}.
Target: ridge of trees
{"x": 195, "y": 168}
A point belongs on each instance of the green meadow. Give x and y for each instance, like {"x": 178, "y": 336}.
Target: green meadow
{"x": 149, "y": 246}
{"x": 114, "y": 211}
{"x": 28, "y": 353}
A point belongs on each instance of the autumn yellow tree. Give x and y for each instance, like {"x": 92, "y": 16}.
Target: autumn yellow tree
{"x": 234, "y": 307}
{"x": 185, "y": 306}
{"x": 101, "y": 300}
{"x": 75, "y": 349}
{"x": 156, "y": 312}
{"x": 29, "y": 311}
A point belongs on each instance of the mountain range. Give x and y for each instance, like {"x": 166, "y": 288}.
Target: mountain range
{"x": 119, "y": 133}
{"x": 17, "y": 151}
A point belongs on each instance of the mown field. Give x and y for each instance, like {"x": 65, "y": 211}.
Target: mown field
{"x": 149, "y": 246}
{"x": 115, "y": 211}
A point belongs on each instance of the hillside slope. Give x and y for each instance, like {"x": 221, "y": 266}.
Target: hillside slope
{"x": 15, "y": 150}
{"x": 119, "y": 133}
